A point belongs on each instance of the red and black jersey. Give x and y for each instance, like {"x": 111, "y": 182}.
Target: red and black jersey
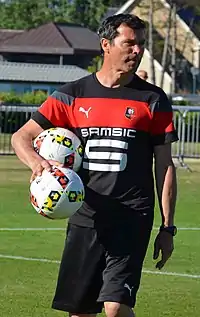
{"x": 119, "y": 128}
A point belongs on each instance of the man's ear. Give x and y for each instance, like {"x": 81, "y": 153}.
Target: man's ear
{"x": 105, "y": 44}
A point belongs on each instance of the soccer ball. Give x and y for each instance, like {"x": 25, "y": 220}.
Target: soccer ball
{"x": 61, "y": 145}
{"x": 57, "y": 194}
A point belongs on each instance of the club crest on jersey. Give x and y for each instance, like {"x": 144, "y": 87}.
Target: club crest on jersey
{"x": 129, "y": 113}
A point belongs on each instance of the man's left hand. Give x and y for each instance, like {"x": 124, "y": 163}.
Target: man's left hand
{"x": 163, "y": 244}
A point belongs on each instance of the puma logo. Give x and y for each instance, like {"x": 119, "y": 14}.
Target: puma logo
{"x": 81, "y": 109}
{"x": 129, "y": 288}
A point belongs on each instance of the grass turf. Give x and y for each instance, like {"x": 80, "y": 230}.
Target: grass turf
{"x": 27, "y": 287}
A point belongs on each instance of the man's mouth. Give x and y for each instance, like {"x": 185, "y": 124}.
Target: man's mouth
{"x": 131, "y": 60}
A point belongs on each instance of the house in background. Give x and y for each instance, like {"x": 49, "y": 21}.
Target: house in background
{"x": 45, "y": 57}
{"x": 51, "y": 43}
{"x": 27, "y": 77}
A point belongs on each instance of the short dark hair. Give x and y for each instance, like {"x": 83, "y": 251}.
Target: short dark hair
{"x": 109, "y": 26}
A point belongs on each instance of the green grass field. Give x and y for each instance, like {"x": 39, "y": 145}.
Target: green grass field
{"x": 27, "y": 284}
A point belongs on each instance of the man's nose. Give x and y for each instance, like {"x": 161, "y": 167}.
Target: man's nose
{"x": 136, "y": 49}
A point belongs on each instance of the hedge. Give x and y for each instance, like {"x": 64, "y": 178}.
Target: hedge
{"x": 36, "y": 98}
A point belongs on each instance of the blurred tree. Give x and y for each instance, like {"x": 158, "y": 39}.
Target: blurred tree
{"x": 96, "y": 64}
{"x": 18, "y": 14}
{"x": 116, "y": 3}
{"x": 88, "y": 12}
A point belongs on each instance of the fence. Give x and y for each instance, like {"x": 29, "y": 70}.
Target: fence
{"x": 186, "y": 119}
{"x": 11, "y": 119}
{"x": 187, "y": 123}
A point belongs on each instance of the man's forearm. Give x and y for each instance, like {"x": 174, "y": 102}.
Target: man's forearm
{"x": 167, "y": 191}
{"x": 22, "y": 145}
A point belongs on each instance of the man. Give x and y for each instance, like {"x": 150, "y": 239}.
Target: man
{"x": 126, "y": 121}
{"x": 142, "y": 74}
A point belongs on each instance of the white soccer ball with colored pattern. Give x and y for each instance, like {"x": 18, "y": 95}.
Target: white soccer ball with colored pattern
{"x": 61, "y": 145}
{"x": 57, "y": 194}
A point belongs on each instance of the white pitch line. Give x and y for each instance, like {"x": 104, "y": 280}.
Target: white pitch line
{"x": 32, "y": 229}
{"x": 12, "y": 257}
{"x": 184, "y": 229}
{"x": 63, "y": 229}
{"x": 172, "y": 274}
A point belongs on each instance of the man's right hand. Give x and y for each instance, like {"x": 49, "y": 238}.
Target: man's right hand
{"x": 42, "y": 164}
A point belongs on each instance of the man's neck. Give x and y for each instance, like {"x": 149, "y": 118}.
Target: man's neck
{"x": 113, "y": 79}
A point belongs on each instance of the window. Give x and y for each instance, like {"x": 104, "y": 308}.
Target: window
{"x": 44, "y": 88}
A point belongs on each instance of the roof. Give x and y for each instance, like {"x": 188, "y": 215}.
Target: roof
{"x": 28, "y": 72}
{"x": 8, "y": 33}
{"x": 52, "y": 38}
{"x": 80, "y": 38}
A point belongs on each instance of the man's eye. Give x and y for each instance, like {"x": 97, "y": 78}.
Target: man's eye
{"x": 129, "y": 44}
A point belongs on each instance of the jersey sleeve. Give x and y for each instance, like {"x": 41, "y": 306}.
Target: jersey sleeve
{"x": 162, "y": 127}
{"x": 55, "y": 111}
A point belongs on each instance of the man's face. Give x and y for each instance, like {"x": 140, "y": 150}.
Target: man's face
{"x": 126, "y": 50}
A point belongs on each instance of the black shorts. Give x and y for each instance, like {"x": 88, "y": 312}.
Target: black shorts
{"x": 102, "y": 265}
